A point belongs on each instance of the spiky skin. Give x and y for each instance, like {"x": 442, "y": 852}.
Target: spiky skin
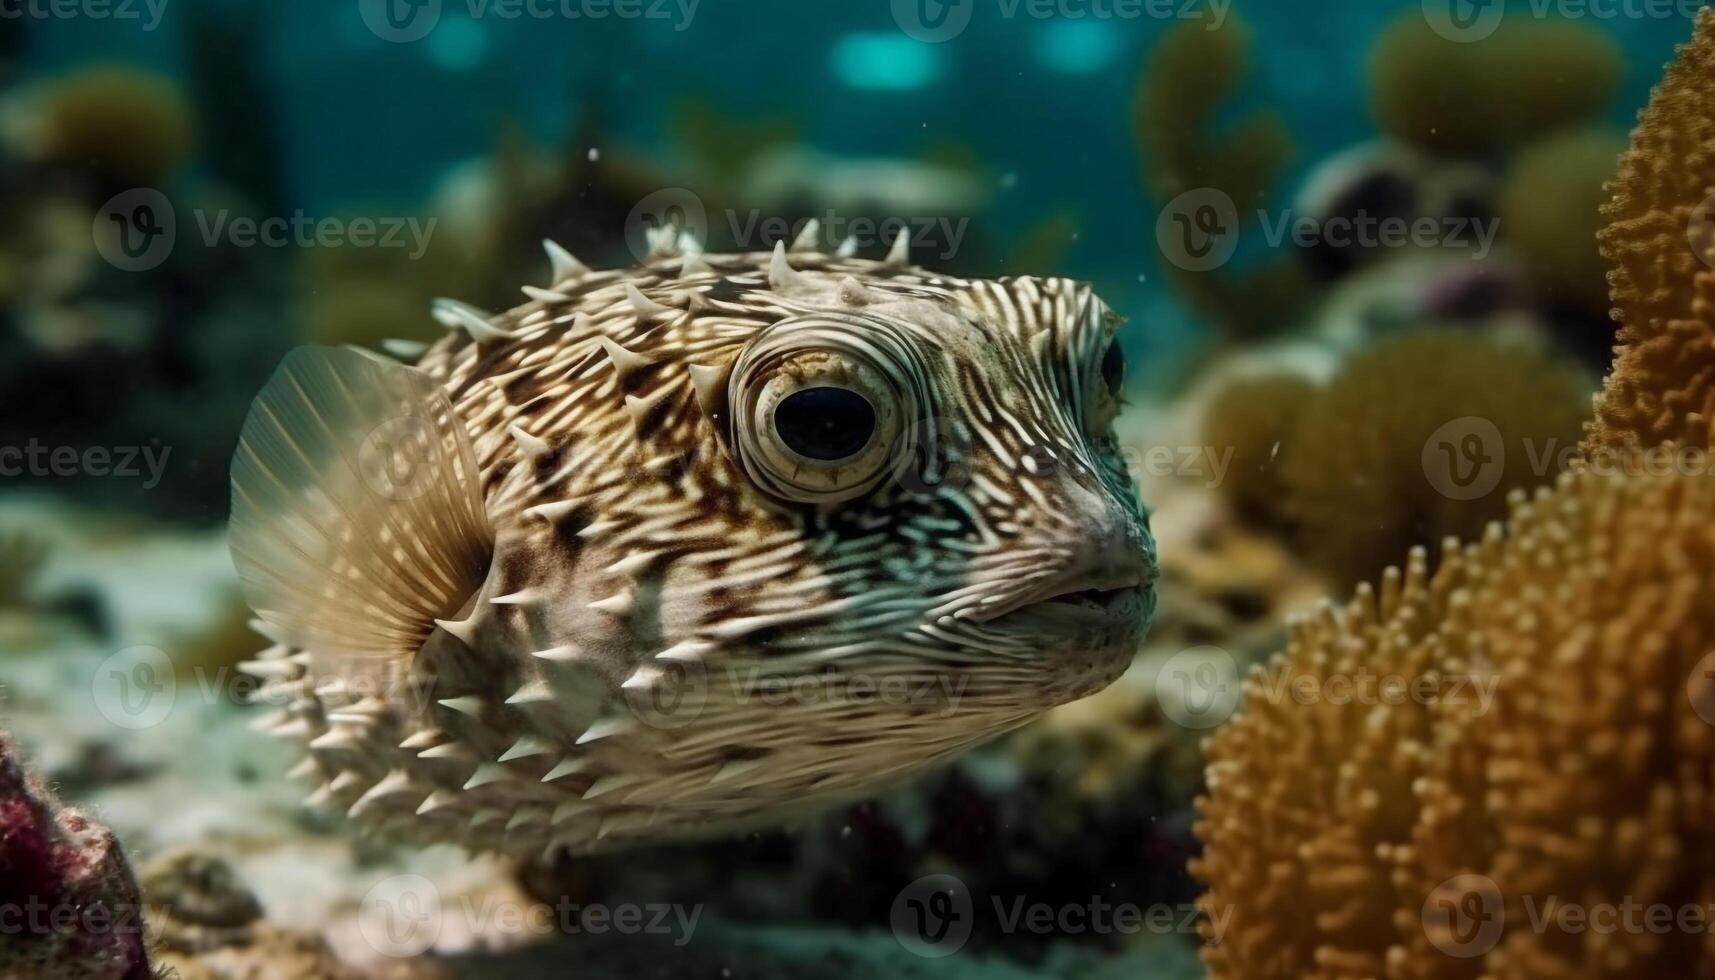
{"x": 609, "y": 680}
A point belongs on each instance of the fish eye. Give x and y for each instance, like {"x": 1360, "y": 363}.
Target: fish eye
{"x": 822, "y": 428}
{"x": 825, "y": 423}
{"x": 1113, "y": 368}
{"x": 821, "y": 414}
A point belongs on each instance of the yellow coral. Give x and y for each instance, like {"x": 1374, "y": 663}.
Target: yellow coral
{"x": 1255, "y": 418}
{"x": 1551, "y": 209}
{"x": 1469, "y": 96}
{"x": 129, "y": 125}
{"x": 1660, "y": 242}
{"x": 1545, "y": 743}
{"x": 1533, "y": 802}
{"x": 1361, "y": 469}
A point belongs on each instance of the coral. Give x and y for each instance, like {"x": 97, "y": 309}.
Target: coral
{"x": 1383, "y": 180}
{"x": 1528, "y": 78}
{"x": 1254, "y": 418}
{"x": 1530, "y": 803}
{"x": 131, "y": 127}
{"x": 64, "y": 880}
{"x": 1361, "y": 476}
{"x": 1551, "y": 210}
{"x": 1226, "y": 581}
{"x": 1191, "y": 75}
{"x": 1660, "y": 242}
{"x": 1547, "y": 745}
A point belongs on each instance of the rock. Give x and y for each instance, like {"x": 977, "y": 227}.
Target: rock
{"x": 71, "y": 905}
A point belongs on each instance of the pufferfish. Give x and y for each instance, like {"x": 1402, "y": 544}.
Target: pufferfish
{"x": 690, "y": 547}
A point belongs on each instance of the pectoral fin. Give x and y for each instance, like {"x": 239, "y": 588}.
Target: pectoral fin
{"x": 357, "y": 508}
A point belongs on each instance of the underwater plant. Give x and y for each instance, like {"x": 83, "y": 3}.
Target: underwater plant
{"x": 1469, "y": 97}
{"x": 1355, "y": 485}
{"x": 1191, "y": 75}
{"x": 1548, "y": 752}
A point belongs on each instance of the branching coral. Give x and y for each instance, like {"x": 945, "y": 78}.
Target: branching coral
{"x": 1660, "y": 243}
{"x": 1527, "y": 78}
{"x": 1542, "y": 738}
{"x": 1363, "y": 481}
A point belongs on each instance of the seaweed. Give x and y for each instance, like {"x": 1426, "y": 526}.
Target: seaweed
{"x": 1191, "y": 76}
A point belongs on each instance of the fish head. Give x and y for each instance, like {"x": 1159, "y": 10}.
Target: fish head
{"x": 935, "y": 463}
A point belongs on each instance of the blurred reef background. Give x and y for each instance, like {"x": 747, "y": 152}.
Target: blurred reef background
{"x": 1283, "y": 398}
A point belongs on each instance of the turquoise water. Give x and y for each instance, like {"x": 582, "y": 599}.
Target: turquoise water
{"x": 280, "y": 138}
{"x": 1043, "y": 102}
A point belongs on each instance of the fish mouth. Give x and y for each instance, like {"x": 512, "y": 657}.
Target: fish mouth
{"x": 1095, "y": 606}
{"x": 1111, "y": 602}
{"x": 1085, "y": 635}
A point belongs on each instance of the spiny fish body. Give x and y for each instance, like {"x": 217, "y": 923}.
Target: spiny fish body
{"x": 679, "y": 548}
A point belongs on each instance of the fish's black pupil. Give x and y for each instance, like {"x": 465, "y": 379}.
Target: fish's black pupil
{"x": 825, "y": 423}
{"x": 1113, "y": 367}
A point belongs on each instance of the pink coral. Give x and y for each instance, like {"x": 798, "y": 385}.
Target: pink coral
{"x": 69, "y": 906}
